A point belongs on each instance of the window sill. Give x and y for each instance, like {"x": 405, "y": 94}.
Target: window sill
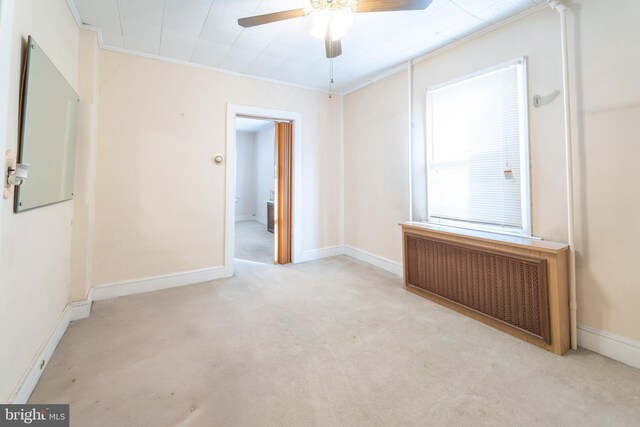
{"x": 462, "y": 225}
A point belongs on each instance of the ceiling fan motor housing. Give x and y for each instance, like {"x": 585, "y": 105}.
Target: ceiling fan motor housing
{"x": 331, "y": 4}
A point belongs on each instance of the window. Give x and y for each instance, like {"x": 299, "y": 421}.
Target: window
{"x": 477, "y": 151}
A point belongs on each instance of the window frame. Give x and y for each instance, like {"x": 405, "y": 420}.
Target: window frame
{"x": 525, "y": 162}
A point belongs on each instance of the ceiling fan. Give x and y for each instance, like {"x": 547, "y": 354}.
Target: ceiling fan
{"x": 334, "y": 17}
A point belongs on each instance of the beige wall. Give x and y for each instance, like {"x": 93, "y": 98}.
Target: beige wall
{"x": 160, "y": 202}
{"x": 36, "y": 245}
{"x": 86, "y": 157}
{"x": 545, "y": 124}
{"x": 376, "y": 166}
{"x": 604, "y": 53}
{"x": 383, "y": 130}
{"x": 607, "y": 60}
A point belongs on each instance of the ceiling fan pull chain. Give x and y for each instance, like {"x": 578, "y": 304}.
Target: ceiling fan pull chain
{"x": 332, "y": 19}
{"x": 330, "y": 77}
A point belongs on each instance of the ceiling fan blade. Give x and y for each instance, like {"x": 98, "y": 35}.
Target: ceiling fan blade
{"x": 333, "y": 47}
{"x": 391, "y": 5}
{"x": 252, "y": 21}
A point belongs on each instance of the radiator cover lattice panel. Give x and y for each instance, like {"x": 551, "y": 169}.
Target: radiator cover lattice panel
{"x": 507, "y": 288}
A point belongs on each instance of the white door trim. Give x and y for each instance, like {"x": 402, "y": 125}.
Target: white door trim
{"x": 233, "y": 110}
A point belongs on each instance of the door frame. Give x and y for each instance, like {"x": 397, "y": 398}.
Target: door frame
{"x": 233, "y": 111}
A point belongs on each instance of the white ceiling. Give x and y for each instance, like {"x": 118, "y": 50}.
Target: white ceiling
{"x": 206, "y": 32}
{"x": 251, "y": 125}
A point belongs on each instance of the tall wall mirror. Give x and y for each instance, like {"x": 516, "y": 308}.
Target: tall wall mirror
{"x": 47, "y": 133}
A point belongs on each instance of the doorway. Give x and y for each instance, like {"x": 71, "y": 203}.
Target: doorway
{"x": 252, "y": 193}
{"x": 255, "y": 190}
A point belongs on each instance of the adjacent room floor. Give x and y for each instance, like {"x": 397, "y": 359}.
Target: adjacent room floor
{"x": 328, "y": 343}
{"x": 254, "y": 242}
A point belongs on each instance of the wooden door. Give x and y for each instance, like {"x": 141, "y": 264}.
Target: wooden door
{"x": 284, "y": 190}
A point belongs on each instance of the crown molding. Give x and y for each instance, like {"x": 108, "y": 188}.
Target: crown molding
{"x": 98, "y": 30}
{"x": 403, "y": 66}
{"x": 364, "y": 82}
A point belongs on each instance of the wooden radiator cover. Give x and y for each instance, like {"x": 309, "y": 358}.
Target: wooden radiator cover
{"x": 517, "y": 285}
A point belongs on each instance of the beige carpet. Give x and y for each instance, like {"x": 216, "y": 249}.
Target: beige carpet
{"x": 254, "y": 242}
{"x": 329, "y": 343}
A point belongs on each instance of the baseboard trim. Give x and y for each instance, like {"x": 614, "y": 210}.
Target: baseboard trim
{"x": 613, "y": 346}
{"x": 72, "y": 311}
{"x": 41, "y": 360}
{"x": 243, "y": 218}
{"x": 81, "y": 309}
{"x": 616, "y": 347}
{"x": 156, "y": 283}
{"x": 375, "y": 260}
{"x": 316, "y": 254}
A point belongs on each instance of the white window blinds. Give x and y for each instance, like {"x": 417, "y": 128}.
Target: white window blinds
{"x": 477, "y": 152}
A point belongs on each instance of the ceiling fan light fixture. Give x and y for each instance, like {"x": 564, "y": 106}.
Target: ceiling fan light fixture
{"x": 338, "y": 20}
